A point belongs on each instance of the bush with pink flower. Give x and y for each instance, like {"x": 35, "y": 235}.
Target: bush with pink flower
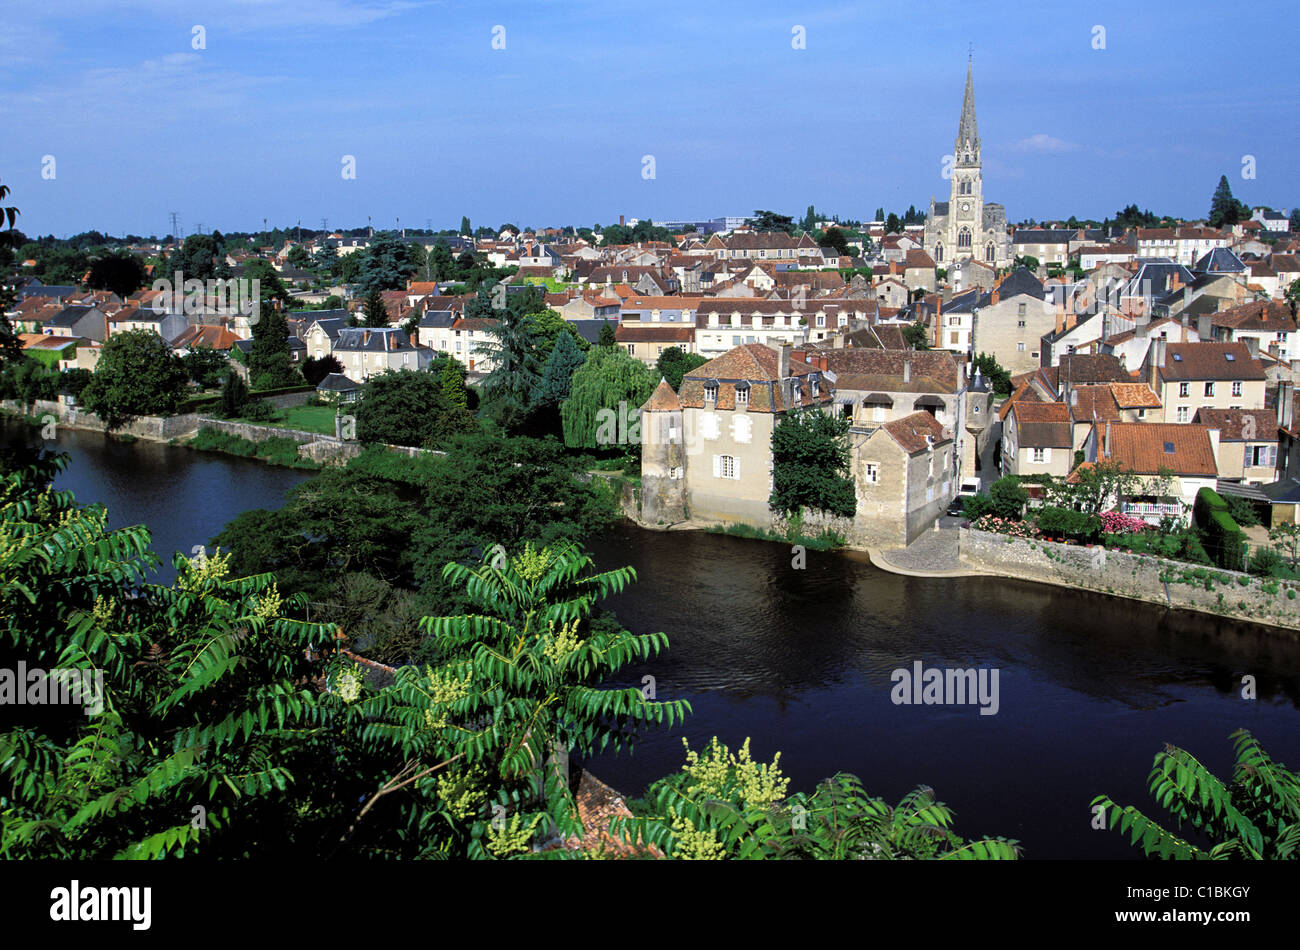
{"x": 1013, "y": 528}
{"x": 1115, "y": 522}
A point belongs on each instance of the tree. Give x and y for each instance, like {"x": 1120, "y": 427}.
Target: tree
{"x": 893, "y": 224}
{"x": 270, "y": 364}
{"x": 1292, "y": 296}
{"x": 298, "y": 256}
{"x": 557, "y": 374}
{"x": 548, "y": 328}
{"x": 809, "y": 221}
{"x": 1286, "y": 535}
{"x": 122, "y": 274}
{"x": 1008, "y": 498}
{"x": 1096, "y": 488}
{"x": 234, "y": 395}
{"x": 465, "y": 229}
{"x": 408, "y": 407}
{"x": 916, "y": 336}
{"x": 1295, "y": 220}
{"x": 137, "y": 375}
{"x": 376, "y": 312}
{"x": 810, "y": 465}
{"x": 674, "y": 363}
{"x": 1255, "y": 815}
{"x": 1224, "y": 209}
{"x": 835, "y": 237}
{"x": 998, "y": 378}
{"x": 27, "y": 380}
{"x": 206, "y": 366}
{"x": 609, "y": 385}
{"x": 326, "y": 261}
{"x": 607, "y": 339}
{"x": 385, "y": 265}
{"x": 10, "y": 346}
{"x": 724, "y": 806}
{"x": 314, "y": 370}
{"x": 771, "y": 221}
{"x": 270, "y": 288}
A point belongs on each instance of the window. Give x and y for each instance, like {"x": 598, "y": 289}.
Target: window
{"x": 1209, "y": 388}
{"x": 709, "y": 425}
{"x": 877, "y": 413}
{"x": 1040, "y": 455}
{"x": 1261, "y": 455}
{"x": 1020, "y": 323}
{"x": 1184, "y": 414}
{"x": 821, "y": 319}
{"x": 954, "y": 338}
{"x": 742, "y": 396}
{"x": 1020, "y": 311}
{"x": 1034, "y": 354}
{"x": 1236, "y": 388}
{"x": 816, "y": 387}
{"x": 871, "y": 472}
{"x": 675, "y": 472}
{"x": 1184, "y": 390}
{"x": 710, "y": 391}
{"x": 724, "y": 466}
{"x": 1020, "y": 347}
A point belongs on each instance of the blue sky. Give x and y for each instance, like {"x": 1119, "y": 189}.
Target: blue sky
{"x": 552, "y": 129}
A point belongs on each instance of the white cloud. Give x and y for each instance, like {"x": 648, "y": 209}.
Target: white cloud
{"x": 1042, "y": 142}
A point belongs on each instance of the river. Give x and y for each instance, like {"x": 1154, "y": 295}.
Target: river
{"x": 1090, "y": 687}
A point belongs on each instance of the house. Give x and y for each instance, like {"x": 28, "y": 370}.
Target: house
{"x": 968, "y": 273}
{"x": 435, "y": 330}
{"x": 1188, "y": 377}
{"x": 1248, "y": 443}
{"x": 647, "y": 343}
{"x": 1267, "y": 323}
{"x": 1012, "y": 320}
{"x": 167, "y": 325}
{"x": 1037, "y": 439}
{"x": 903, "y": 477}
{"x": 323, "y": 331}
{"x": 472, "y": 343}
{"x": 339, "y": 388}
{"x": 369, "y": 351}
{"x": 1172, "y": 463}
{"x": 716, "y": 464}
{"x": 202, "y": 335}
{"x": 89, "y": 322}
{"x": 1046, "y": 245}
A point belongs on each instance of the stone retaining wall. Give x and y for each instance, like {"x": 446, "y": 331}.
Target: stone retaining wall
{"x": 256, "y": 433}
{"x": 1136, "y": 576}
{"x": 159, "y": 428}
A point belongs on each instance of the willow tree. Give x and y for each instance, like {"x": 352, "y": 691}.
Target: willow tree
{"x": 604, "y": 398}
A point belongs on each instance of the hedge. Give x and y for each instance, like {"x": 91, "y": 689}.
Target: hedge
{"x": 1224, "y": 536}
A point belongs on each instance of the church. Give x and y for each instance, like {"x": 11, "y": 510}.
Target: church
{"x": 965, "y": 226}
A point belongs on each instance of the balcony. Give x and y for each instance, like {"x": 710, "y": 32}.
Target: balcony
{"x": 1152, "y": 511}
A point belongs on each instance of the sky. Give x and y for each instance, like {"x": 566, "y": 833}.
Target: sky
{"x": 118, "y": 112}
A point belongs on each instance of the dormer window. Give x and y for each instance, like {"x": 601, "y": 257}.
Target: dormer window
{"x": 711, "y": 391}
{"x": 742, "y": 394}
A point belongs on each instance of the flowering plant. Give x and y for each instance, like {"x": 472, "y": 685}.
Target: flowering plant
{"x": 1114, "y": 522}
{"x": 1016, "y": 529}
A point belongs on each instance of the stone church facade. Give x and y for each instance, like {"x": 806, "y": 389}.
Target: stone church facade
{"x": 966, "y": 226}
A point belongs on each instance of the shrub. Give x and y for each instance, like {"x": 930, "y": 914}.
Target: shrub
{"x": 259, "y": 410}
{"x": 1008, "y": 497}
{"x": 975, "y": 507}
{"x": 1066, "y": 522}
{"x": 1242, "y": 511}
{"x": 1222, "y": 535}
{"x": 1266, "y": 561}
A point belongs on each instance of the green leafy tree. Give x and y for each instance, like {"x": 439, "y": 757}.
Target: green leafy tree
{"x": 557, "y": 374}
{"x": 451, "y": 381}
{"x": 271, "y": 290}
{"x": 1292, "y": 296}
{"x": 609, "y": 383}
{"x": 408, "y": 407}
{"x": 465, "y": 229}
{"x": 916, "y": 336}
{"x": 674, "y": 363}
{"x": 376, "y": 313}
{"x": 607, "y": 338}
{"x": 1286, "y": 535}
{"x": 1008, "y": 498}
{"x": 1254, "y": 815}
{"x": 893, "y": 224}
{"x": 298, "y": 256}
{"x": 270, "y": 364}
{"x": 511, "y": 347}
{"x": 206, "y": 366}
{"x": 314, "y": 370}
{"x": 810, "y": 465}
{"x": 234, "y": 395}
{"x": 1225, "y": 210}
{"x": 122, "y": 274}
{"x": 771, "y": 221}
{"x": 386, "y": 264}
{"x": 137, "y": 375}
{"x": 998, "y": 378}
{"x": 727, "y": 806}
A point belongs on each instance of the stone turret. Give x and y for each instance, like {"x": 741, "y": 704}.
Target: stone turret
{"x": 663, "y": 458}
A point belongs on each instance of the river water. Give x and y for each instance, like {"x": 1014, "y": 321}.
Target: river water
{"x": 1089, "y": 687}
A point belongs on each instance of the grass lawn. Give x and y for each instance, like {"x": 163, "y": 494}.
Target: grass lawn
{"x": 306, "y": 418}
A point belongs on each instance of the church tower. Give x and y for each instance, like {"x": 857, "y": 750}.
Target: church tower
{"x": 966, "y": 204}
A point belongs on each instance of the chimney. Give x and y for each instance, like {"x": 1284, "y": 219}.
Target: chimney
{"x": 997, "y": 294}
{"x": 907, "y": 370}
{"x": 823, "y": 362}
{"x": 1107, "y": 448}
{"x": 1060, "y": 320}
{"x": 1182, "y": 336}
{"x": 1204, "y": 328}
{"x": 620, "y": 220}
{"x": 1285, "y": 404}
{"x": 784, "y": 361}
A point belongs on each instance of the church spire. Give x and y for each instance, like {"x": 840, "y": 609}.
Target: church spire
{"x": 967, "y": 131}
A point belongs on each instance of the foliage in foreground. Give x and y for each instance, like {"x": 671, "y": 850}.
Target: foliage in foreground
{"x": 724, "y": 805}
{"x": 1254, "y": 815}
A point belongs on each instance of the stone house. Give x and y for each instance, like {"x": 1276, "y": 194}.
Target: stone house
{"x": 369, "y": 351}
{"x": 1037, "y": 439}
{"x": 1172, "y": 463}
{"x": 1188, "y": 377}
{"x": 903, "y": 476}
{"x": 1247, "y": 449}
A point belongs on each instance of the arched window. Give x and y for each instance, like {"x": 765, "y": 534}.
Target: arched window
{"x": 963, "y": 237}
{"x": 938, "y": 252}
{"x": 988, "y": 252}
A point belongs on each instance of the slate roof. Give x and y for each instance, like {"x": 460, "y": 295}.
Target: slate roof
{"x": 654, "y": 334}
{"x": 373, "y": 340}
{"x": 1043, "y": 235}
{"x": 1220, "y": 260}
{"x": 337, "y": 383}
